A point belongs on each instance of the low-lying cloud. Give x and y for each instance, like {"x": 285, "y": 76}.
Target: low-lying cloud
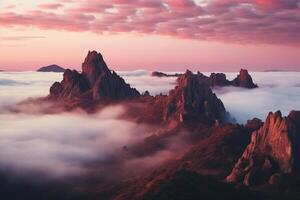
{"x": 62, "y": 144}
{"x": 277, "y": 91}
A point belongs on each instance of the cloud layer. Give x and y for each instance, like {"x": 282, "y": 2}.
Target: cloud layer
{"x": 277, "y": 91}
{"x": 258, "y": 21}
{"x": 63, "y": 144}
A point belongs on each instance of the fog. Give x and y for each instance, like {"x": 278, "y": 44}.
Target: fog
{"x": 60, "y": 145}
{"x": 277, "y": 91}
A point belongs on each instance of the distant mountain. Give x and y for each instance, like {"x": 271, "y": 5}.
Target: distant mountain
{"x": 51, "y": 68}
{"x": 243, "y": 79}
{"x": 162, "y": 74}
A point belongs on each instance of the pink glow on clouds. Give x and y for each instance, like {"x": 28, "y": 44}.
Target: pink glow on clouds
{"x": 263, "y": 32}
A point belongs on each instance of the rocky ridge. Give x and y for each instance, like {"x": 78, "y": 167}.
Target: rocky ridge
{"x": 273, "y": 151}
{"x": 243, "y": 79}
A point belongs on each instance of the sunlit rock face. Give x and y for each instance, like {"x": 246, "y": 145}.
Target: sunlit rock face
{"x": 96, "y": 82}
{"x": 192, "y": 101}
{"x": 274, "y": 150}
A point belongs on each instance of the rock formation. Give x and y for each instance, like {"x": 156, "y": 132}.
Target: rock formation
{"x": 192, "y": 101}
{"x": 244, "y": 80}
{"x": 96, "y": 82}
{"x": 51, "y": 68}
{"x": 273, "y": 151}
{"x": 219, "y": 79}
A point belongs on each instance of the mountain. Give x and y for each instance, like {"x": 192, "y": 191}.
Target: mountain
{"x": 272, "y": 153}
{"x": 51, "y": 68}
{"x": 96, "y": 83}
{"x": 243, "y": 79}
{"x": 162, "y": 74}
{"x": 192, "y": 101}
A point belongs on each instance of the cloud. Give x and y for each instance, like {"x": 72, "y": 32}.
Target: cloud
{"x": 50, "y": 6}
{"x": 277, "y": 91}
{"x": 259, "y": 21}
{"x": 20, "y": 38}
{"x": 62, "y": 144}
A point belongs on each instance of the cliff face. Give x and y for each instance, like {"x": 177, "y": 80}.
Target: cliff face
{"x": 96, "y": 81}
{"x": 273, "y": 151}
{"x": 192, "y": 101}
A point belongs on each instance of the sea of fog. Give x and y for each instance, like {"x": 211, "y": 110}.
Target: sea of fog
{"x": 61, "y": 144}
{"x": 277, "y": 90}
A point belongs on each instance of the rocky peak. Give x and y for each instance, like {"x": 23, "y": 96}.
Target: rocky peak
{"x": 244, "y": 80}
{"x": 192, "y": 100}
{"x": 273, "y": 150}
{"x": 94, "y": 66}
{"x": 96, "y": 82}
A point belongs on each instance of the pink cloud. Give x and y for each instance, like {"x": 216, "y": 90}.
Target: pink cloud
{"x": 50, "y": 6}
{"x": 260, "y": 21}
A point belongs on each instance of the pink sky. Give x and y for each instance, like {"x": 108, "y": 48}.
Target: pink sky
{"x": 206, "y": 35}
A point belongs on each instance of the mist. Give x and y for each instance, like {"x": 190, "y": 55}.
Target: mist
{"x": 277, "y": 91}
{"x": 63, "y": 144}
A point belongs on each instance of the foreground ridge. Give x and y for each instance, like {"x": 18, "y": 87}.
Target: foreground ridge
{"x": 273, "y": 151}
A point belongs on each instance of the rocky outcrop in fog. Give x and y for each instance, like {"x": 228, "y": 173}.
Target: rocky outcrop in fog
{"x": 96, "y": 82}
{"x": 192, "y": 101}
{"x": 243, "y": 79}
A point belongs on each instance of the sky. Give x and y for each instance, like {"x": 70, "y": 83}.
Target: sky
{"x": 168, "y": 35}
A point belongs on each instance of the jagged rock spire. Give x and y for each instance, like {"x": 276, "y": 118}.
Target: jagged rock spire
{"x": 274, "y": 149}
{"x": 96, "y": 82}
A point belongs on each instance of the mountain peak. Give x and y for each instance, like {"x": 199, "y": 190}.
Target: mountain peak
{"x": 192, "y": 100}
{"x": 94, "y": 66}
{"x": 96, "y": 80}
{"x": 244, "y": 79}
